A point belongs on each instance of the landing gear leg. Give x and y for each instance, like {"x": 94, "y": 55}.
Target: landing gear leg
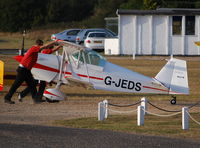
{"x": 173, "y": 101}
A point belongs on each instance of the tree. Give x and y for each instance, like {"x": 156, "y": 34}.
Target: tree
{"x": 179, "y": 3}
{"x": 132, "y": 4}
{"x": 150, "y": 4}
{"x": 18, "y": 15}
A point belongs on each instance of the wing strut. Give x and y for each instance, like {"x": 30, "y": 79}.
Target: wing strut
{"x": 61, "y": 71}
{"x": 86, "y": 67}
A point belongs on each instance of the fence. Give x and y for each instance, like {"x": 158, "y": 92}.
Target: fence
{"x": 142, "y": 110}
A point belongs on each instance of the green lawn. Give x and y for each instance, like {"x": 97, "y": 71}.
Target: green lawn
{"x": 14, "y": 43}
{"x": 170, "y": 126}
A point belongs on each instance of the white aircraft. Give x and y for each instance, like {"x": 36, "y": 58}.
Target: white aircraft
{"x": 86, "y": 66}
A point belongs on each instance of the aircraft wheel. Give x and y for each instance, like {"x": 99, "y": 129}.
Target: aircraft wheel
{"x": 173, "y": 101}
{"x": 52, "y": 101}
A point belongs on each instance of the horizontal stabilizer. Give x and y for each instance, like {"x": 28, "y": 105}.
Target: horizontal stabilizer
{"x": 174, "y": 76}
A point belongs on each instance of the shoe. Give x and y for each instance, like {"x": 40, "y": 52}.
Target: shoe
{"x": 20, "y": 98}
{"x": 9, "y": 101}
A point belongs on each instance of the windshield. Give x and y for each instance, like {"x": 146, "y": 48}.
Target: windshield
{"x": 90, "y": 56}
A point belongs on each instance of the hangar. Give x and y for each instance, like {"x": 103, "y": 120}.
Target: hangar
{"x": 163, "y": 31}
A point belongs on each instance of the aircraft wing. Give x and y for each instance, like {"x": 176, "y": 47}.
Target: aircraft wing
{"x": 70, "y": 47}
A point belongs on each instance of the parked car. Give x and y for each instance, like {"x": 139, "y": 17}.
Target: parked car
{"x": 66, "y": 35}
{"x": 81, "y": 36}
{"x": 95, "y": 40}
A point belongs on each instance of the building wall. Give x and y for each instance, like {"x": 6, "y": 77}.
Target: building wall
{"x": 126, "y": 25}
{"x": 152, "y": 35}
{"x": 160, "y": 35}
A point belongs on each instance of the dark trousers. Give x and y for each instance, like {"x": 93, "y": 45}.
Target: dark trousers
{"x": 41, "y": 89}
{"x": 23, "y": 74}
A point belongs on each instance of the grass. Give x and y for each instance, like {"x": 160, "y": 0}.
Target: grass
{"x": 170, "y": 126}
{"x": 14, "y": 40}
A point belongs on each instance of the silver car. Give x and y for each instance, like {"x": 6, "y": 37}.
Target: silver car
{"x": 81, "y": 36}
{"x": 66, "y": 35}
{"x": 95, "y": 40}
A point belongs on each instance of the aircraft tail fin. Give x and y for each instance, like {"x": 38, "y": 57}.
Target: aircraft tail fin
{"x": 174, "y": 76}
{"x": 1, "y": 74}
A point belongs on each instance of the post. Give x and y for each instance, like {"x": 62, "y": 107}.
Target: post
{"x": 144, "y": 104}
{"x": 22, "y": 50}
{"x": 101, "y": 111}
{"x": 140, "y": 115}
{"x": 133, "y": 56}
{"x": 106, "y": 108}
{"x": 185, "y": 118}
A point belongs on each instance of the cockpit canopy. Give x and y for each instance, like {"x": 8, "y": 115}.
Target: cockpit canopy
{"x": 89, "y": 57}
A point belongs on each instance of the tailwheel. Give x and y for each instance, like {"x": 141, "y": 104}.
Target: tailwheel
{"x": 173, "y": 101}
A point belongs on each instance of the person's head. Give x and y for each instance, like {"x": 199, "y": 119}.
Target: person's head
{"x": 39, "y": 42}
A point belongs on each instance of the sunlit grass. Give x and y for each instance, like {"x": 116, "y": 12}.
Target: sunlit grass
{"x": 170, "y": 126}
{"x": 14, "y": 40}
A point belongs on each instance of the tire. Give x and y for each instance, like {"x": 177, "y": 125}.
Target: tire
{"x": 173, "y": 101}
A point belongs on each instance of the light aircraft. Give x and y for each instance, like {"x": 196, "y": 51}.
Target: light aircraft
{"x": 85, "y": 66}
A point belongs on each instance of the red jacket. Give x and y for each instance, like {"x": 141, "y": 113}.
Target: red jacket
{"x": 30, "y": 58}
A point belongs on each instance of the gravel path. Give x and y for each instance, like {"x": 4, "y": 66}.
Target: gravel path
{"x": 45, "y": 113}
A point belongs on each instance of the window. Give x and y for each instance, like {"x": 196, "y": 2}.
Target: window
{"x": 98, "y": 35}
{"x": 78, "y": 55}
{"x": 94, "y": 58}
{"x": 177, "y": 25}
{"x": 90, "y": 57}
{"x": 190, "y": 25}
{"x": 73, "y": 32}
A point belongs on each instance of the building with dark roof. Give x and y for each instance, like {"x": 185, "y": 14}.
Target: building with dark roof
{"x": 158, "y": 32}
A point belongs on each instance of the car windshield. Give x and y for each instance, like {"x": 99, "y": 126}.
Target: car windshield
{"x": 86, "y": 33}
{"x": 90, "y": 56}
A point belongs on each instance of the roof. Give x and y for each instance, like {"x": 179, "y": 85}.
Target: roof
{"x": 161, "y": 11}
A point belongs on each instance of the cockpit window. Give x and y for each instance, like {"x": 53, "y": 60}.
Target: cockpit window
{"x": 89, "y": 57}
{"x": 76, "y": 56}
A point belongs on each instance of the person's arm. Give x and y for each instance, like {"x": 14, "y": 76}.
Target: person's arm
{"x": 56, "y": 48}
{"x": 47, "y": 45}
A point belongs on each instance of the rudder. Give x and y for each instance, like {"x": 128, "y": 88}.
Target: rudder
{"x": 174, "y": 76}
